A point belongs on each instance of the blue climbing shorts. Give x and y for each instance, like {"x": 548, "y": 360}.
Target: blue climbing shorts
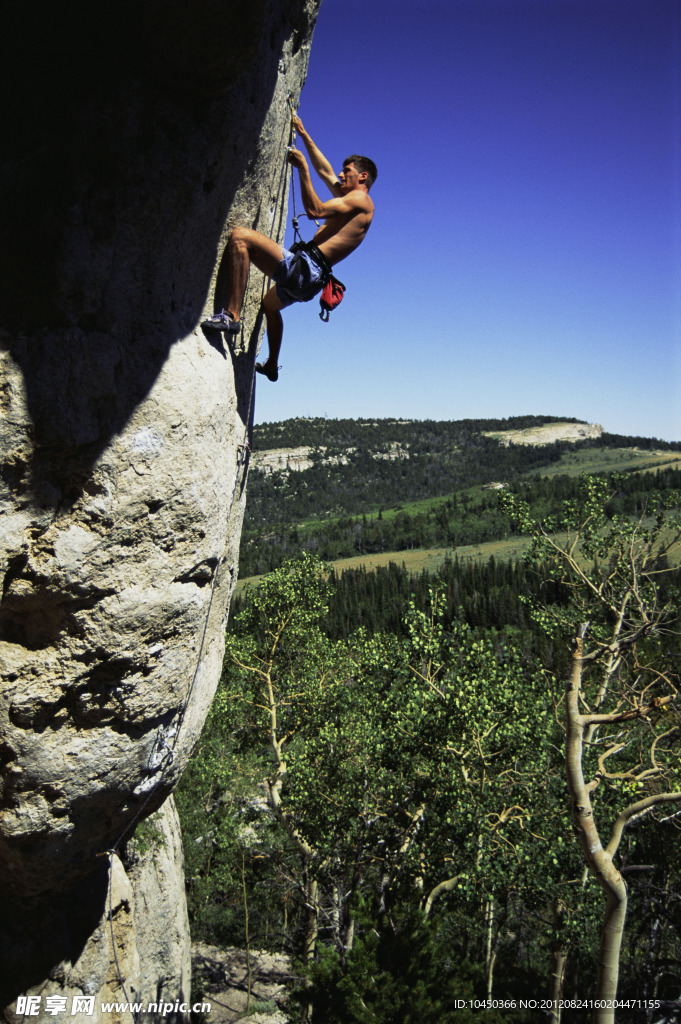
{"x": 297, "y": 278}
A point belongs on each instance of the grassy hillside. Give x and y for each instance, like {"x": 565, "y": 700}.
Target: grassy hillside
{"x": 357, "y": 491}
{"x": 417, "y": 560}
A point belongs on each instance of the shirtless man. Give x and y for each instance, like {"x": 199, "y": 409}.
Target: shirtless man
{"x": 298, "y": 276}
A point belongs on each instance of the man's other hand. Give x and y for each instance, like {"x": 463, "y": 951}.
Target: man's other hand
{"x": 296, "y": 158}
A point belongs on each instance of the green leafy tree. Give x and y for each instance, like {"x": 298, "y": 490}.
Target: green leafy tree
{"x": 398, "y": 970}
{"x": 476, "y": 735}
{"x": 622, "y": 711}
{"x": 280, "y": 671}
{"x": 410, "y": 796}
{"x": 221, "y": 823}
{"x": 417, "y": 770}
{"x": 309, "y": 714}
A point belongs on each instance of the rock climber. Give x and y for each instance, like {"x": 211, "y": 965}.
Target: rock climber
{"x": 299, "y": 274}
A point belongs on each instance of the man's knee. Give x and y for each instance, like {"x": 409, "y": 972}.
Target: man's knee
{"x": 265, "y": 253}
{"x": 272, "y": 311}
{"x": 271, "y": 304}
{"x": 239, "y": 238}
{"x": 249, "y": 237}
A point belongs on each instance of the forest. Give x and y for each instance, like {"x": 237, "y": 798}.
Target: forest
{"x": 361, "y": 493}
{"x": 444, "y": 796}
{"x": 469, "y": 516}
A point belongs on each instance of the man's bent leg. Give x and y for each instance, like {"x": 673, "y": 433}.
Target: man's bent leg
{"x": 246, "y": 247}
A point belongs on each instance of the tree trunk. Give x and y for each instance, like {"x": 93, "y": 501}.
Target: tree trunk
{"x": 312, "y": 929}
{"x": 558, "y": 962}
{"x": 311, "y": 893}
{"x": 595, "y": 856}
{"x": 350, "y": 934}
{"x": 491, "y": 951}
{"x": 336, "y": 917}
{"x": 651, "y": 974}
{"x": 611, "y": 943}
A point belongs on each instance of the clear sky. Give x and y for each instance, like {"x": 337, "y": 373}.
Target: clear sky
{"x": 525, "y": 255}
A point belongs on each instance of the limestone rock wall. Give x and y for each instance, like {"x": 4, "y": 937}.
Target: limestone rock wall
{"x": 155, "y": 870}
{"x": 140, "y": 136}
{"x": 136, "y": 952}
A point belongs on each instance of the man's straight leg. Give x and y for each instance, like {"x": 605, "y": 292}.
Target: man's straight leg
{"x": 272, "y": 306}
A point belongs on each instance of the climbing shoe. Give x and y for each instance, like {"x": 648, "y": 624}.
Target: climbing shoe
{"x": 263, "y": 368}
{"x": 222, "y": 321}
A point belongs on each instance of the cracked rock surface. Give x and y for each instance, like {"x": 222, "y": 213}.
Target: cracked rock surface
{"x": 137, "y": 143}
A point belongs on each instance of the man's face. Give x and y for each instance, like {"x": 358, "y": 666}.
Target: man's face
{"x": 349, "y": 177}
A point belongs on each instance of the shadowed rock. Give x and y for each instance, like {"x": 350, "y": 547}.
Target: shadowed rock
{"x": 140, "y": 133}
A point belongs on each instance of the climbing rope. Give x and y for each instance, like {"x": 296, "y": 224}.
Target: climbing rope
{"x": 278, "y": 192}
{"x": 297, "y": 237}
{"x": 113, "y": 938}
{"x": 292, "y": 141}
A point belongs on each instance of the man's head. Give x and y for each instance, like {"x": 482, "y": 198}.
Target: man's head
{"x": 363, "y": 166}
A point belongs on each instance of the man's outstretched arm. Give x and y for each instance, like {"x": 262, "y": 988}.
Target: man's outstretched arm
{"x": 318, "y": 160}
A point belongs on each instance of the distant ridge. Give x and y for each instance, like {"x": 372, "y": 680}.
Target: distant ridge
{"x": 318, "y": 431}
{"x": 332, "y": 441}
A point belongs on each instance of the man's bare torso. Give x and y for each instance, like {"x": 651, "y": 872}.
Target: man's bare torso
{"x": 342, "y": 233}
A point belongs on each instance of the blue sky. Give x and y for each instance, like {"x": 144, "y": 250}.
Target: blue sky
{"x": 525, "y": 255}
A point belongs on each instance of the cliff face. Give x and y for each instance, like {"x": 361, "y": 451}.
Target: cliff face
{"x": 143, "y": 134}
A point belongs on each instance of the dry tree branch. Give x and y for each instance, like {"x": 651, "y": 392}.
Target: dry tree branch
{"x": 633, "y": 813}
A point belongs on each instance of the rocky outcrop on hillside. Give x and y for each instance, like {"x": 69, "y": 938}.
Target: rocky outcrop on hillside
{"x": 287, "y": 460}
{"x": 141, "y": 135}
{"x": 548, "y": 433}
